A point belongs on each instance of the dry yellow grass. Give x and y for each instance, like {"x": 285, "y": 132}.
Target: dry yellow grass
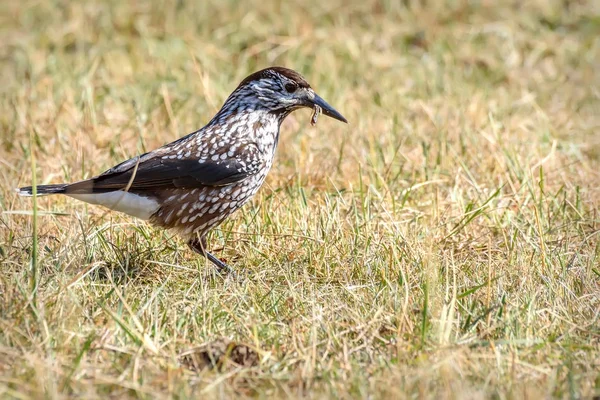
{"x": 444, "y": 244}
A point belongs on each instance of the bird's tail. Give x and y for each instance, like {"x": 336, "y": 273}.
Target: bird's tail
{"x": 42, "y": 190}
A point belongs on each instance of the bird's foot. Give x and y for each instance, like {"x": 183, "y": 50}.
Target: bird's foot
{"x": 198, "y": 245}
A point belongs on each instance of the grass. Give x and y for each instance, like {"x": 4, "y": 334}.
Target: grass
{"x": 444, "y": 244}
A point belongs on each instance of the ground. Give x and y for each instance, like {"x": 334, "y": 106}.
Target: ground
{"x": 443, "y": 244}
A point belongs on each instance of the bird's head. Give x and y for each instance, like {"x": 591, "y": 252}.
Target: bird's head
{"x": 281, "y": 91}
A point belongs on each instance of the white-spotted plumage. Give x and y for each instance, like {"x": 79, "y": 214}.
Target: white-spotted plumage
{"x": 193, "y": 184}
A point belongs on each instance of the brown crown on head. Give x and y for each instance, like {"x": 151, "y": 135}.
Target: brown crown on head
{"x": 268, "y": 72}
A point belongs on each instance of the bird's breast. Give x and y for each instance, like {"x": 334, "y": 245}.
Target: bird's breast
{"x": 265, "y": 132}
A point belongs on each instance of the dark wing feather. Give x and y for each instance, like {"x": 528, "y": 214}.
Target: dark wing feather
{"x": 156, "y": 173}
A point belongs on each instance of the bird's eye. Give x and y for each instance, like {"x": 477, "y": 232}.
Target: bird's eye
{"x": 291, "y": 87}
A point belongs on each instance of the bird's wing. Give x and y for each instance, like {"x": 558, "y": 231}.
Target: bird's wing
{"x": 157, "y": 170}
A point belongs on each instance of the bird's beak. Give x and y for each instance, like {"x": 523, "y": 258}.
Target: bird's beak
{"x": 326, "y": 108}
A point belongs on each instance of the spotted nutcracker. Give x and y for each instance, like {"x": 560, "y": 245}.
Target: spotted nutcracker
{"x": 192, "y": 184}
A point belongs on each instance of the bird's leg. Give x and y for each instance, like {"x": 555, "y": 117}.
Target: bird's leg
{"x": 198, "y": 244}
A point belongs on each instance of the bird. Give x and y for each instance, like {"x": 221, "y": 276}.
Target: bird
{"x": 194, "y": 183}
